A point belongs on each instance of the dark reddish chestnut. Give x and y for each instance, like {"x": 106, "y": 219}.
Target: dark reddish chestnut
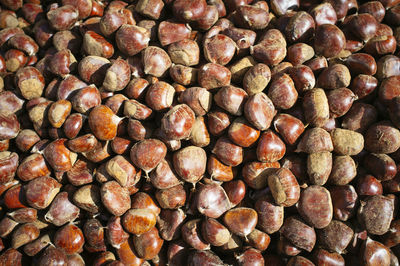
{"x": 329, "y": 40}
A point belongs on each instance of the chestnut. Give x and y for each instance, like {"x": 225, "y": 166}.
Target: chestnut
{"x": 152, "y": 66}
{"x": 270, "y": 215}
{"x": 382, "y": 207}
{"x": 381, "y": 138}
{"x": 117, "y": 75}
{"x": 318, "y": 216}
{"x": 41, "y": 191}
{"x": 252, "y": 17}
{"x": 315, "y": 140}
{"x": 270, "y": 147}
{"x": 115, "y": 198}
{"x": 95, "y": 44}
{"x": 228, "y": 152}
{"x": 347, "y": 142}
{"x": 212, "y": 200}
{"x": 147, "y": 154}
{"x": 231, "y": 99}
{"x": 8, "y": 166}
{"x": 336, "y": 236}
{"x": 191, "y": 234}
{"x": 361, "y": 63}
{"x": 250, "y": 256}
{"x": 138, "y": 221}
{"x": 212, "y": 76}
{"x": 103, "y": 122}
{"x": 284, "y": 187}
{"x": 324, "y": 14}
{"x": 58, "y": 156}
{"x": 218, "y": 170}
{"x": 344, "y": 199}
{"x": 132, "y": 39}
{"x": 375, "y": 252}
{"x": 300, "y": 27}
{"x": 150, "y": 9}
{"x": 219, "y": 49}
{"x": 190, "y": 163}
{"x": 171, "y": 198}
{"x": 256, "y": 78}
{"x": 282, "y": 7}
{"x": 254, "y": 173}
{"x": 329, "y": 40}
{"x": 259, "y": 110}
{"x": 61, "y": 210}
{"x": 177, "y": 123}
{"x": 189, "y": 10}
{"x": 241, "y": 221}
{"x": 159, "y": 96}
{"x": 363, "y": 26}
{"x": 63, "y": 18}
{"x": 271, "y": 50}
{"x": 24, "y": 234}
{"x": 53, "y": 255}
{"x": 69, "y": 238}
{"x": 30, "y": 82}
{"x": 242, "y": 134}
{"x": 299, "y": 233}
{"x": 170, "y": 223}
{"x": 289, "y": 127}
{"x": 316, "y": 106}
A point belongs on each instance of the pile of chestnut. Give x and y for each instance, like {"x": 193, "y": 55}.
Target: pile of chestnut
{"x": 199, "y": 132}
